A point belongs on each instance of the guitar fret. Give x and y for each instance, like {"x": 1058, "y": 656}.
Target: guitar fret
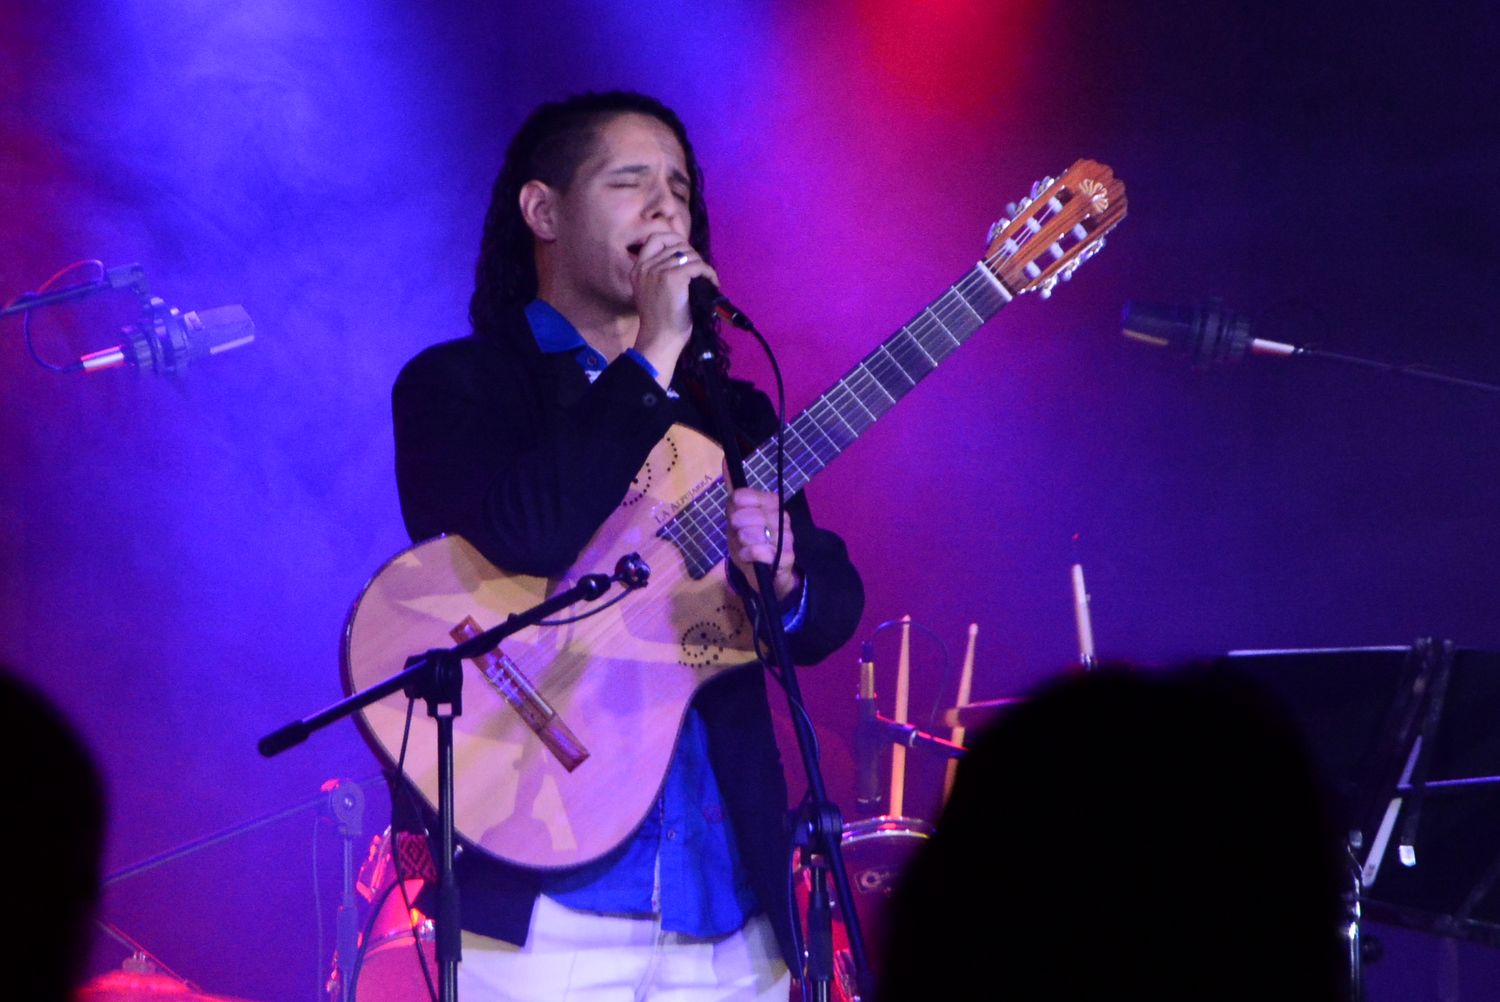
{"x": 760, "y": 470}
{"x": 765, "y": 478}
{"x": 690, "y": 543}
{"x": 920, "y": 347}
{"x": 871, "y": 379}
{"x": 895, "y": 364}
{"x": 991, "y": 284}
{"x": 942, "y": 326}
{"x": 851, "y": 394}
{"x": 799, "y": 458}
{"x": 829, "y": 405}
{"x": 978, "y": 320}
{"x": 811, "y": 420}
{"x": 793, "y": 439}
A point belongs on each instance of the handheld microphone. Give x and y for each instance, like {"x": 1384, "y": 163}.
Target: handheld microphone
{"x": 869, "y": 792}
{"x": 1207, "y": 332}
{"x": 167, "y": 341}
{"x": 703, "y": 292}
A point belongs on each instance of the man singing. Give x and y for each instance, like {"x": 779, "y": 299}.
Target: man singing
{"x": 523, "y": 438}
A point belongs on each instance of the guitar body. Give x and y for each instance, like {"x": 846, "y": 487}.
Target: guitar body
{"x": 562, "y": 746}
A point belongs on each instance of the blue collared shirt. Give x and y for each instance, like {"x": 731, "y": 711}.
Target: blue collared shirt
{"x": 682, "y": 863}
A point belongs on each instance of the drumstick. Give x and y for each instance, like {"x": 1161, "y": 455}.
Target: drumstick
{"x": 1083, "y": 621}
{"x": 903, "y": 693}
{"x": 965, "y": 681}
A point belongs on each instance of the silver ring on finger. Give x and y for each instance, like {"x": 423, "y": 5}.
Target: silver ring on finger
{"x": 681, "y": 257}
{"x": 767, "y": 531}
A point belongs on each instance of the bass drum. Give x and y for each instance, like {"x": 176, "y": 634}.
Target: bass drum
{"x": 876, "y": 853}
{"x": 401, "y": 937}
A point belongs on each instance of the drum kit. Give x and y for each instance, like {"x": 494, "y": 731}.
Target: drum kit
{"x": 398, "y": 961}
{"x": 877, "y": 849}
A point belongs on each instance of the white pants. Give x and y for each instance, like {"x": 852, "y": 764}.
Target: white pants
{"x": 575, "y": 956}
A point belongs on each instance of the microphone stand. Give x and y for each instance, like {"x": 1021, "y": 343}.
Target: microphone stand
{"x": 881, "y": 728}
{"x": 1412, "y": 370}
{"x": 820, "y": 822}
{"x": 437, "y": 677}
{"x": 1212, "y": 334}
{"x": 130, "y": 276}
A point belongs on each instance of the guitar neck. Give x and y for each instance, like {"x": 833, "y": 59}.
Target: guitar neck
{"x": 818, "y": 435}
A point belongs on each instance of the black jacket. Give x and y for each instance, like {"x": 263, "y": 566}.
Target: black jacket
{"x": 517, "y": 452}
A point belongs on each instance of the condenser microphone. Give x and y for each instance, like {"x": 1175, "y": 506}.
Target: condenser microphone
{"x": 1208, "y": 332}
{"x": 168, "y": 341}
{"x": 702, "y": 291}
{"x": 869, "y": 792}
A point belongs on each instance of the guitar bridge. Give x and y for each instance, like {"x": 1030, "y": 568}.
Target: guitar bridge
{"x": 507, "y": 679}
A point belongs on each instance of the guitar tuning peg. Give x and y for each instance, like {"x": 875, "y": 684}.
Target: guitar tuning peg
{"x": 1011, "y": 208}
{"x": 995, "y": 230}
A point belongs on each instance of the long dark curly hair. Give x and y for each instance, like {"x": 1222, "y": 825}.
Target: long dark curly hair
{"x": 549, "y": 147}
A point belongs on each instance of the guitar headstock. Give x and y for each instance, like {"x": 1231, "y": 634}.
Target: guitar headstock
{"x": 1060, "y": 225}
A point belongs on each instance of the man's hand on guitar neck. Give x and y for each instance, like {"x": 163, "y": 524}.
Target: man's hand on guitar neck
{"x": 752, "y": 537}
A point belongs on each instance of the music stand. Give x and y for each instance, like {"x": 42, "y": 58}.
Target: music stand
{"x": 1408, "y": 743}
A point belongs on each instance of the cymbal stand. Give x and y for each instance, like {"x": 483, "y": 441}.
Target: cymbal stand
{"x": 346, "y": 805}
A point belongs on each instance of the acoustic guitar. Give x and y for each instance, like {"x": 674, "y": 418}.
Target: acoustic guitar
{"x": 567, "y": 730}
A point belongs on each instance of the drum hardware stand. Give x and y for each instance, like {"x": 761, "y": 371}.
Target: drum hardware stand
{"x": 823, "y": 827}
{"x": 912, "y": 736}
{"x": 346, "y": 789}
{"x": 813, "y": 824}
{"x": 345, "y": 803}
{"x": 875, "y": 729}
{"x": 224, "y": 835}
{"x": 437, "y": 677}
{"x": 1353, "y": 931}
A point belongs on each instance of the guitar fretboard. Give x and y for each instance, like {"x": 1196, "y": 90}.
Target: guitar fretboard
{"x": 818, "y": 435}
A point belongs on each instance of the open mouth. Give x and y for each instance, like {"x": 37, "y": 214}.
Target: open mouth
{"x": 635, "y": 248}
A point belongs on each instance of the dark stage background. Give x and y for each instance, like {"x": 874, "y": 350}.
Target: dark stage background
{"x": 176, "y": 557}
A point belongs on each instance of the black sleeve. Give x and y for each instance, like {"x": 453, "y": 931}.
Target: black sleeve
{"x": 484, "y": 449}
